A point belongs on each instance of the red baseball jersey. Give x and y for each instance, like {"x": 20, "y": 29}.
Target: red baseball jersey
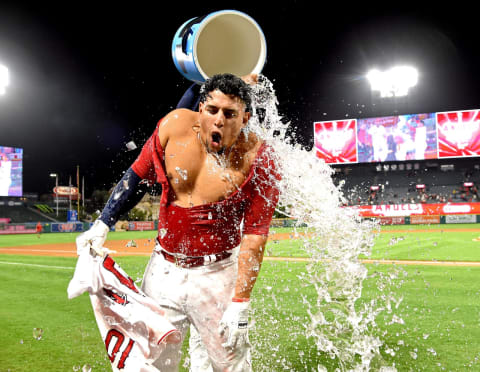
{"x": 131, "y": 324}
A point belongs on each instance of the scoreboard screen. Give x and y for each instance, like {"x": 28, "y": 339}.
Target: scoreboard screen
{"x": 458, "y": 133}
{"x": 11, "y": 171}
{"x": 399, "y": 138}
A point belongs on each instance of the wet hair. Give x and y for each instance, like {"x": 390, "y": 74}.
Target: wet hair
{"x": 230, "y": 85}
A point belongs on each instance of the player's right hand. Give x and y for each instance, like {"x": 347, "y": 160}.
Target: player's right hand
{"x": 93, "y": 239}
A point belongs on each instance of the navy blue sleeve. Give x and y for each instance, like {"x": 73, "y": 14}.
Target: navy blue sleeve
{"x": 191, "y": 98}
{"x": 126, "y": 195}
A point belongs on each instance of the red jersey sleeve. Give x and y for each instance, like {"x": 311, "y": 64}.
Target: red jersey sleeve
{"x": 264, "y": 194}
{"x": 149, "y": 164}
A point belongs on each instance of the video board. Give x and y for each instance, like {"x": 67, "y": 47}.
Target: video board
{"x": 11, "y": 171}
{"x": 399, "y": 138}
{"x": 335, "y": 141}
{"x": 458, "y": 133}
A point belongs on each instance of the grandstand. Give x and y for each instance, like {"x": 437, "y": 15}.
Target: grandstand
{"x": 20, "y": 210}
{"x": 439, "y": 181}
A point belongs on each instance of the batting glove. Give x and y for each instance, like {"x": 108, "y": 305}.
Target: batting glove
{"x": 93, "y": 239}
{"x": 234, "y": 324}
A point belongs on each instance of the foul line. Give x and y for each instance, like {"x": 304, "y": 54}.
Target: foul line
{"x": 36, "y": 265}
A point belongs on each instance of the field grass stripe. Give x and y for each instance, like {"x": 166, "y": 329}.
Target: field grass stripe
{"x": 36, "y": 265}
{"x": 36, "y": 250}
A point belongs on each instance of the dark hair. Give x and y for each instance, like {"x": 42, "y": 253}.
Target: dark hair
{"x": 228, "y": 84}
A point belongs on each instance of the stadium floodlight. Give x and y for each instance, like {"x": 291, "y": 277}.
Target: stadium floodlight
{"x": 394, "y": 82}
{"x": 55, "y": 175}
{"x": 4, "y": 79}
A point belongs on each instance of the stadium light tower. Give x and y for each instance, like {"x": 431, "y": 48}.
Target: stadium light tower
{"x": 56, "y": 187}
{"x": 4, "y": 79}
{"x": 394, "y": 82}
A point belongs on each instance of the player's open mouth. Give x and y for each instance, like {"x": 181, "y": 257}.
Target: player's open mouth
{"x": 216, "y": 139}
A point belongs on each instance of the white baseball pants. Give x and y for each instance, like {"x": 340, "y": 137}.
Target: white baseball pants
{"x": 197, "y": 296}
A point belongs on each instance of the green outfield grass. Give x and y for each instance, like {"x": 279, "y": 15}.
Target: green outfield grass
{"x": 54, "y": 238}
{"x": 405, "y": 242}
{"x": 440, "y": 307}
{"x": 442, "y": 243}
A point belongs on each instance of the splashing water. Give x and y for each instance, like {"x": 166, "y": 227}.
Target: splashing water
{"x": 37, "y": 333}
{"x": 342, "y": 330}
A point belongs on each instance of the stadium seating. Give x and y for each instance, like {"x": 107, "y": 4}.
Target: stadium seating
{"x": 21, "y": 214}
{"x": 442, "y": 184}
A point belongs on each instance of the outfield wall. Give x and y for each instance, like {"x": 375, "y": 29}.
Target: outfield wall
{"x": 70, "y": 227}
{"x": 397, "y": 214}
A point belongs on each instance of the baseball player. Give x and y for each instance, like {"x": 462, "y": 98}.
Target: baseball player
{"x": 215, "y": 176}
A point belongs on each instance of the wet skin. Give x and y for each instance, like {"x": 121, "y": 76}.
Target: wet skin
{"x": 207, "y": 156}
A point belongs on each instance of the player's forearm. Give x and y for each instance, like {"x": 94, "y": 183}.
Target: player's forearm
{"x": 250, "y": 260}
{"x": 127, "y": 193}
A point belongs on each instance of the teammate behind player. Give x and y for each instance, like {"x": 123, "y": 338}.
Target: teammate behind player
{"x": 214, "y": 176}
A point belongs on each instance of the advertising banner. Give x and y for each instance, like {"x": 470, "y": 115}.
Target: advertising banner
{"x": 424, "y": 220}
{"x": 461, "y": 218}
{"x": 392, "y": 220}
{"x": 16, "y": 229}
{"x": 72, "y": 215}
{"x": 277, "y": 222}
{"x": 398, "y": 210}
{"x": 65, "y": 191}
{"x": 141, "y": 225}
{"x": 67, "y": 227}
{"x": 394, "y": 210}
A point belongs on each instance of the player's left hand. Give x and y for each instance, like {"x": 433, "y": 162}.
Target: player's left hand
{"x": 234, "y": 324}
{"x": 250, "y": 79}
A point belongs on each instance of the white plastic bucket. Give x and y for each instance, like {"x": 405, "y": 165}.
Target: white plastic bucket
{"x": 227, "y": 41}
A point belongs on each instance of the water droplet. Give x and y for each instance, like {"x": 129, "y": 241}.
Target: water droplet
{"x": 131, "y": 146}
{"x": 37, "y": 333}
{"x": 182, "y": 173}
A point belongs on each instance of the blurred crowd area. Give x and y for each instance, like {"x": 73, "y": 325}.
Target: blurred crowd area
{"x": 382, "y": 184}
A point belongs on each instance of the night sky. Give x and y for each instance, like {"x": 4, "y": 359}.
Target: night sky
{"x": 88, "y": 77}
